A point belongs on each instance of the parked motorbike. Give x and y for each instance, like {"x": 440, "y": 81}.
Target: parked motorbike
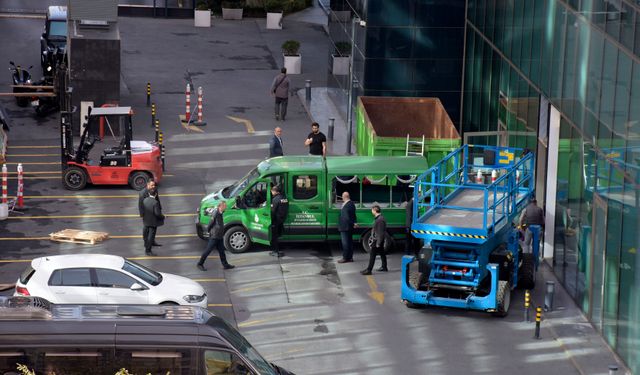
{"x": 20, "y": 77}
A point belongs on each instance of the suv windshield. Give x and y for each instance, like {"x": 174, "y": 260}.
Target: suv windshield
{"x": 242, "y": 345}
{"x": 150, "y": 276}
{"x": 58, "y": 29}
{"x": 235, "y": 189}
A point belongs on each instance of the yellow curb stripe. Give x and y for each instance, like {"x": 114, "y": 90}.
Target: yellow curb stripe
{"x": 29, "y": 155}
{"x": 257, "y": 286}
{"x": 219, "y": 305}
{"x": 251, "y": 323}
{"x": 91, "y": 216}
{"x": 32, "y": 146}
{"x": 111, "y": 237}
{"x": 210, "y": 280}
{"x": 35, "y": 163}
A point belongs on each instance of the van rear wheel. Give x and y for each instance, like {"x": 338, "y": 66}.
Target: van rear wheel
{"x": 236, "y": 240}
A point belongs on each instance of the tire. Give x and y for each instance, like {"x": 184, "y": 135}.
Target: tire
{"x": 367, "y": 241}
{"x": 503, "y": 298}
{"x": 200, "y": 232}
{"x": 527, "y": 272}
{"x": 138, "y": 180}
{"x": 169, "y": 303}
{"x": 237, "y": 240}
{"x": 74, "y": 178}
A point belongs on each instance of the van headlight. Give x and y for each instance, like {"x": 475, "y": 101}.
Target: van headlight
{"x": 192, "y": 298}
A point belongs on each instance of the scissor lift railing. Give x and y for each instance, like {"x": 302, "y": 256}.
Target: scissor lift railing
{"x": 450, "y": 204}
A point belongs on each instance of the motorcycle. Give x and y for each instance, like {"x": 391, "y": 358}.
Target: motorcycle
{"x": 20, "y": 77}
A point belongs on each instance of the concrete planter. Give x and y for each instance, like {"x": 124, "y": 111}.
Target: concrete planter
{"x": 202, "y": 18}
{"x": 232, "y": 13}
{"x": 293, "y": 64}
{"x": 340, "y": 65}
{"x": 274, "y": 21}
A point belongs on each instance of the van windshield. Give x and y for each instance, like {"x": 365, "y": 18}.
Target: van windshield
{"x": 242, "y": 345}
{"x": 58, "y": 29}
{"x": 236, "y": 188}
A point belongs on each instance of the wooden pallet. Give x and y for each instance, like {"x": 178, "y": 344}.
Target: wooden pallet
{"x": 79, "y": 236}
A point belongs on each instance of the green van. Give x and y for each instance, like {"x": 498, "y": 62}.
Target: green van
{"x": 314, "y": 186}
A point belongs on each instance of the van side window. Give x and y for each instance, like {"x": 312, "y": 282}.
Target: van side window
{"x": 113, "y": 279}
{"x": 71, "y": 277}
{"x": 305, "y": 187}
{"x": 156, "y": 361}
{"x": 278, "y": 180}
{"x": 402, "y": 191}
{"x": 224, "y": 363}
{"x": 375, "y": 190}
{"x": 256, "y": 195}
{"x": 340, "y": 184}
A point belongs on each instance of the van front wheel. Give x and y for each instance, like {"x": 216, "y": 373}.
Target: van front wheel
{"x": 237, "y": 240}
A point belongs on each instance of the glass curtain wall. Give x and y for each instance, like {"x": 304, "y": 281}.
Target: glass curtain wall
{"x": 584, "y": 56}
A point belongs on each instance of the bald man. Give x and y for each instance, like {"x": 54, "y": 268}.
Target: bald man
{"x": 275, "y": 144}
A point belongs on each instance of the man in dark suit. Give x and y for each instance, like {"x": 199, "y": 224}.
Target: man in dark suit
{"x": 216, "y": 230}
{"x": 144, "y": 193}
{"x": 275, "y": 144}
{"x": 346, "y": 223}
{"x": 152, "y": 218}
{"x": 279, "y": 212}
{"x": 378, "y": 233}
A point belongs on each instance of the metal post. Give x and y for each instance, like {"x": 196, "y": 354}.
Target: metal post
{"x": 307, "y": 90}
{"x": 148, "y": 94}
{"x": 527, "y": 299}
{"x": 331, "y": 127}
{"x": 157, "y": 130}
{"x": 613, "y": 369}
{"x": 548, "y": 295}
{"x": 350, "y": 105}
{"x": 153, "y": 114}
{"x": 538, "y": 319}
{"x": 161, "y": 144}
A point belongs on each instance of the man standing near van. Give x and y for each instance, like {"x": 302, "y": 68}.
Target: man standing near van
{"x": 378, "y": 234}
{"x": 152, "y": 218}
{"x": 216, "y": 229}
{"x": 316, "y": 141}
{"x": 346, "y": 223}
{"x": 275, "y": 144}
{"x": 279, "y": 212}
{"x": 144, "y": 193}
{"x": 280, "y": 89}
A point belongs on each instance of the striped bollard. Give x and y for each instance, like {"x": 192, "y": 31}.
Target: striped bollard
{"x": 479, "y": 177}
{"x": 20, "y": 193}
{"x": 517, "y": 176}
{"x": 157, "y": 129}
{"x": 153, "y": 114}
{"x": 187, "y": 115}
{"x": 538, "y": 319}
{"x": 200, "y": 122}
{"x": 494, "y": 176}
{"x": 148, "y": 93}
{"x": 5, "y": 199}
{"x": 161, "y": 144}
{"x": 527, "y": 300}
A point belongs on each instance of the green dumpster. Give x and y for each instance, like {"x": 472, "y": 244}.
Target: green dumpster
{"x": 382, "y": 125}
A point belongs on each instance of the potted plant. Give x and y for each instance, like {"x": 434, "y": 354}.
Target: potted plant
{"x": 202, "y": 14}
{"x": 232, "y": 9}
{"x": 341, "y": 58}
{"x": 292, "y": 57}
{"x": 274, "y": 9}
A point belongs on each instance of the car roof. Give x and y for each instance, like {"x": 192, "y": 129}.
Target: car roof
{"x": 57, "y": 13}
{"x": 77, "y": 260}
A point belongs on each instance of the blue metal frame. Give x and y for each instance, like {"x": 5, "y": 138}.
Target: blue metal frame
{"x": 450, "y": 176}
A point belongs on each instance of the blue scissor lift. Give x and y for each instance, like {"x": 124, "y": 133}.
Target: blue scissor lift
{"x": 472, "y": 256}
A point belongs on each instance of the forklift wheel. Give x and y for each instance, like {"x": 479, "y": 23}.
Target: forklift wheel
{"x": 74, "y": 178}
{"x": 138, "y": 180}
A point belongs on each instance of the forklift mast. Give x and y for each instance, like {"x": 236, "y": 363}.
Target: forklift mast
{"x": 66, "y": 138}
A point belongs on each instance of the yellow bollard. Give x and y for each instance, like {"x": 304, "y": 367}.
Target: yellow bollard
{"x": 538, "y": 319}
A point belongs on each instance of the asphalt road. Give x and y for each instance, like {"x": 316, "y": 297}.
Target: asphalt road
{"x": 303, "y": 311}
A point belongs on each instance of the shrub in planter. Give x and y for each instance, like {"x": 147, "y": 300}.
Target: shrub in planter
{"x": 292, "y": 58}
{"x": 202, "y": 5}
{"x": 341, "y": 58}
{"x": 291, "y": 48}
{"x": 202, "y": 14}
{"x": 343, "y": 49}
{"x": 232, "y": 10}
{"x": 274, "y": 6}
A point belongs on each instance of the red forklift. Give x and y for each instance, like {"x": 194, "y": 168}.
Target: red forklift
{"x": 132, "y": 163}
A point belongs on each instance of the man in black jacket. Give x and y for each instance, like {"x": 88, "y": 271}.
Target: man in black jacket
{"x": 144, "y": 193}
{"x": 378, "y": 234}
{"x": 152, "y": 218}
{"x": 216, "y": 230}
{"x": 279, "y": 211}
{"x": 346, "y": 223}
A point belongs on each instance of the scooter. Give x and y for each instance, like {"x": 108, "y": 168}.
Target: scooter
{"x": 20, "y": 77}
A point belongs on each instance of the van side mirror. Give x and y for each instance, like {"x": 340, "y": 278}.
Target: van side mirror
{"x": 137, "y": 287}
{"x": 44, "y": 35}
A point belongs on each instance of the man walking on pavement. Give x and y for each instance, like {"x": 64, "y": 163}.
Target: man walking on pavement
{"x": 532, "y": 215}
{"x": 275, "y": 144}
{"x": 279, "y": 211}
{"x": 346, "y": 223}
{"x": 280, "y": 90}
{"x": 316, "y": 141}
{"x": 152, "y": 218}
{"x": 144, "y": 193}
{"x": 216, "y": 229}
{"x": 377, "y": 247}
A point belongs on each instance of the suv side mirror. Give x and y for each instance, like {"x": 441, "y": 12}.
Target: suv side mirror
{"x": 137, "y": 287}
{"x": 44, "y": 35}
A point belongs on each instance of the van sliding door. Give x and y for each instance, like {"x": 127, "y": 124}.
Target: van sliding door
{"x": 307, "y": 217}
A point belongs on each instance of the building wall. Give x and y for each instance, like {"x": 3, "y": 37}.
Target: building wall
{"x": 584, "y": 56}
{"x": 407, "y": 48}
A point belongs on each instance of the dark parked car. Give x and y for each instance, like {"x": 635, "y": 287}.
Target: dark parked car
{"x": 53, "y": 41}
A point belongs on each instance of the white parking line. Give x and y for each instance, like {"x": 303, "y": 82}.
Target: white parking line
{"x": 213, "y": 136}
{"x": 176, "y": 151}
{"x": 219, "y": 163}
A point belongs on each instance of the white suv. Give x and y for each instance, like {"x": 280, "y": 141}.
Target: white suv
{"x": 105, "y": 279}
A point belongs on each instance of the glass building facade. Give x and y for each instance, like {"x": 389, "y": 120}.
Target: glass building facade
{"x": 404, "y": 48}
{"x": 525, "y": 59}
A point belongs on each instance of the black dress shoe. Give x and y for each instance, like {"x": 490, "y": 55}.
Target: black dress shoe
{"x": 365, "y": 272}
{"x": 229, "y": 266}
{"x": 278, "y": 254}
{"x": 201, "y": 267}
{"x": 382, "y": 269}
{"x": 345, "y": 260}
{"x": 149, "y": 253}
{"x": 156, "y": 244}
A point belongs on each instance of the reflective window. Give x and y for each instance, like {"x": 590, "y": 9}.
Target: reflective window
{"x": 71, "y": 277}
{"x": 224, "y": 363}
{"x": 305, "y": 187}
{"x": 113, "y": 279}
